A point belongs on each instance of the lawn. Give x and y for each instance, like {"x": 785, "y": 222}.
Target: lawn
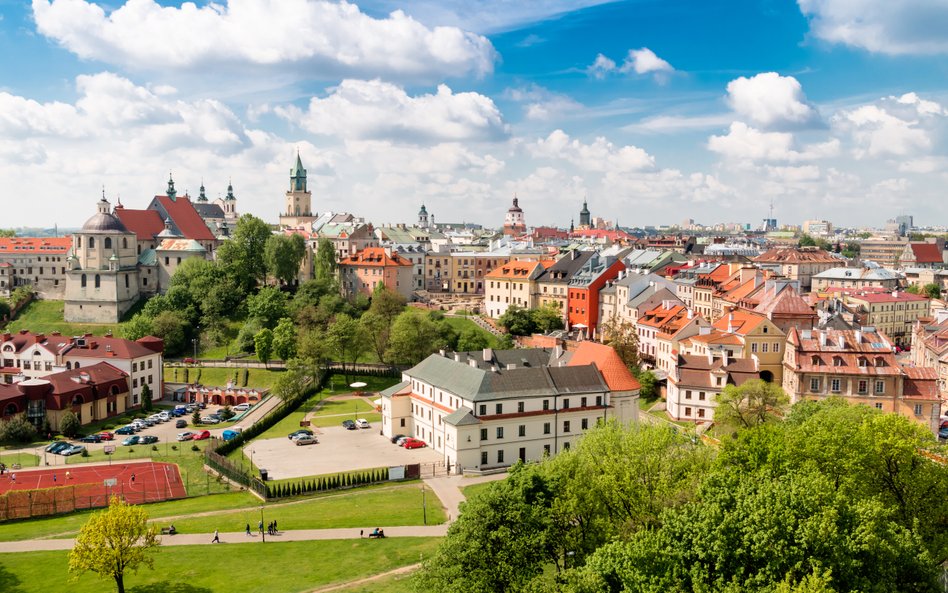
{"x": 397, "y": 583}
{"x": 323, "y": 421}
{"x": 219, "y": 376}
{"x": 463, "y": 323}
{"x": 24, "y": 459}
{"x": 248, "y": 567}
{"x": 345, "y": 406}
{"x": 47, "y": 317}
{"x": 475, "y": 489}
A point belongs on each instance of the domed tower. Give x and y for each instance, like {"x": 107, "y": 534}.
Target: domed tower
{"x": 513, "y": 222}
{"x": 298, "y": 212}
{"x": 202, "y": 196}
{"x": 230, "y": 203}
{"x": 423, "y": 217}
{"x": 102, "y": 280}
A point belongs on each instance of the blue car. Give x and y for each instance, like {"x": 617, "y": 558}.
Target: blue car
{"x": 943, "y": 433}
{"x": 58, "y": 447}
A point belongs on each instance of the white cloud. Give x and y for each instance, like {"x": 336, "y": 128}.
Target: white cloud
{"x": 794, "y": 174}
{"x": 884, "y": 26}
{"x": 601, "y": 66}
{"x": 599, "y": 156}
{"x": 661, "y": 124}
{"x": 770, "y": 100}
{"x": 301, "y": 38}
{"x": 644, "y": 61}
{"x": 893, "y": 126}
{"x": 541, "y": 104}
{"x": 374, "y": 109}
{"x": 743, "y": 142}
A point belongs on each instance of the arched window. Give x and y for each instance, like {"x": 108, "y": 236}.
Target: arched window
{"x": 82, "y": 281}
{"x": 91, "y": 242}
{"x": 108, "y": 242}
{"x": 124, "y": 242}
{"x": 77, "y": 364}
{"x": 69, "y": 366}
{"x": 78, "y": 242}
{"x": 76, "y": 401}
{"x": 98, "y": 281}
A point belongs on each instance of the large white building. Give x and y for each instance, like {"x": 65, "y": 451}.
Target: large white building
{"x": 488, "y": 409}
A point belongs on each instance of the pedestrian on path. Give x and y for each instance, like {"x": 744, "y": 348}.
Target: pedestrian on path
{"x": 13, "y": 477}
{"x": 248, "y": 528}
{"x": 361, "y": 533}
{"x": 261, "y": 526}
{"x": 217, "y": 538}
{"x": 275, "y": 530}
{"x": 133, "y": 478}
{"x": 68, "y": 476}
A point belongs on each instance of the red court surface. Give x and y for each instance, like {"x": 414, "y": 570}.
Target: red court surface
{"x": 85, "y": 486}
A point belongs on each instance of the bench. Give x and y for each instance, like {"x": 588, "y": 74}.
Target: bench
{"x": 167, "y": 531}
{"x": 374, "y": 534}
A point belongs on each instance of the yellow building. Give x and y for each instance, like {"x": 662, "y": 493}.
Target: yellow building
{"x": 892, "y": 313}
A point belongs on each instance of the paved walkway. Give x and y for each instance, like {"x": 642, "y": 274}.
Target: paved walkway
{"x": 448, "y": 489}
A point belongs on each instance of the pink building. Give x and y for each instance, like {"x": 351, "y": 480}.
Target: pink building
{"x": 372, "y": 266}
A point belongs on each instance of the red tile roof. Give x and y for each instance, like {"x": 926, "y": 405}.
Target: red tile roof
{"x": 375, "y": 257}
{"x": 35, "y": 244}
{"x": 186, "y": 218}
{"x": 888, "y": 297}
{"x": 795, "y": 255}
{"x": 108, "y": 347}
{"x": 926, "y": 253}
{"x": 739, "y": 321}
{"x": 515, "y": 269}
{"x": 920, "y": 383}
{"x": 618, "y": 376}
{"x": 144, "y": 223}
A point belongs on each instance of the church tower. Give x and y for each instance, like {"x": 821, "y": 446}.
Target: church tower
{"x": 513, "y": 222}
{"x": 584, "y": 220}
{"x": 423, "y": 217}
{"x": 298, "y": 210}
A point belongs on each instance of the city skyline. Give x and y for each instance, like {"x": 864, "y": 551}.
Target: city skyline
{"x": 654, "y": 112}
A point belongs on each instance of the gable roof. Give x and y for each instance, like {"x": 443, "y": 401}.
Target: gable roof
{"x": 926, "y": 253}
{"x": 515, "y": 269}
{"x": 739, "y": 321}
{"x": 144, "y": 223}
{"x": 35, "y": 244}
{"x": 377, "y": 257}
{"x": 795, "y": 255}
{"x": 187, "y": 220}
{"x": 617, "y": 376}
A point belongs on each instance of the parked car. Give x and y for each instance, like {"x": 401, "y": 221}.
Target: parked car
{"x": 132, "y": 440}
{"x": 299, "y": 432}
{"x": 202, "y": 405}
{"x": 363, "y": 423}
{"x": 148, "y": 439}
{"x": 204, "y": 434}
{"x": 164, "y": 416}
{"x": 53, "y": 445}
{"x": 210, "y": 420}
{"x": 349, "y": 424}
{"x": 396, "y": 437}
{"x": 185, "y": 436}
{"x": 73, "y": 450}
{"x": 241, "y": 407}
{"x": 943, "y": 433}
{"x": 58, "y": 446}
{"x": 181, "y": 423}
{"x": 106, "y": 435}
{"x": 401, "y": 440}
{"x": 305, "y": 439}
{"x": 411, "y": 443}
{"x": 91, "y": 438}
{"x": 126, "y": 430}
{"x": 189, "y": 360}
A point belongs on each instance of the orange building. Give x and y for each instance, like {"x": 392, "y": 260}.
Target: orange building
{"x": 365, "y": 270}
{"x": 583, "y": 291}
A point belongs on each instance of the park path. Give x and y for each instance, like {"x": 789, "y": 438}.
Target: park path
{"x": 367, "y": 580}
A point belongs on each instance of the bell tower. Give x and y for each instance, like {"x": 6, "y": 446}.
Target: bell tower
{"x": 298, "y": 211}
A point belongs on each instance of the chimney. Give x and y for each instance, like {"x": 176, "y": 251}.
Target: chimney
{"x": 841, "y": 341}
{"x": 691, "y": 314}
{"x": 472, "y": 362}
{"x": 895, "y": 294}
{"x": 511, "y": 366}
{"x": 858, "y": 337}
{"x": 730, "y": 322}
{"x": 823, "y": 339}
{"x": 457, "y": 357}
{"x": 488, "y": 354}
{"x": 557, "y": 351}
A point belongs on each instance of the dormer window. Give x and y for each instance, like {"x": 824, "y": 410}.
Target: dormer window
{"x": 837, "y": 361}
{"x": 863, "y": 362}
{"x": 816, "y": 361}
{"x": 880, "y": 362}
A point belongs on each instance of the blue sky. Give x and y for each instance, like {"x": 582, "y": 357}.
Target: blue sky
{"x": 655, "y": 110}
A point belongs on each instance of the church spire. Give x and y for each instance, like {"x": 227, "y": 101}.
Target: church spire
{"x": 298, "y": 175}
{"x": 230, "y": 191}
{"x": 171, "y": 191}
{"x": 202, "y": 197}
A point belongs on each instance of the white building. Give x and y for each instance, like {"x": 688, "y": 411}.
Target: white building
{"x": 488, "y": 409}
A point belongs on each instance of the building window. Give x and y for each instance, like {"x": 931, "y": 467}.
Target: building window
{"x": 566, "y": 426}
{"x": 483, "y": 410}
{"x": 863, "y": 386}
{"x": 98, "y": 281}
{"x": 918, "y": 409}
{"x": 546, "y": 404}
{"x": 520, "y": 407}
{"x": 483, "y": 434}
{"x": 834, "y": 385}
{"x": 765, "y": 346}
{"x": 878, "y": 405}
{"x": 546, "y": 428}
{"x": 880, "y": 387}
{"x": 500, "y": 456}
{"x": 402, "y": 423}
{"x": 546, "y": 450}
{"x": 687, "y": 394}
{"x": 499, "y": 408}
{"x": 82, "y": 281}
{"x": 754, "y": 347}
{"x": 584, "y": 423}
{"x": 566, "y": 446}
{"x": 483, "y": 457}
{"x": 598, "y": 400}
{"x": 566, "y": 404}
{"x": 777, "y": 347}
{"x": 522, "y": 430}
{"x": 687, "y": 411}
{"x": 701, "y": 395}
{"x": 814, "y": 385}
{"x": 582, "y": 402}
{"x": 500, "y": 432}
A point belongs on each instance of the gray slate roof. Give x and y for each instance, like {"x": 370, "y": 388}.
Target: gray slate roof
{"x": 461, "y": 417}
{"x": 394, "y": 389}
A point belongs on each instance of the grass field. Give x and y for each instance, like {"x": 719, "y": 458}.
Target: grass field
{"x": 24, "y": 459}
{"x": 244, "y": 567}
{"x": 219, "y": 376}
{"x": 335, "y": 407}
{"x": 47, "y": 316}
{"x": 475, "y": 489}
{"x": 462, "y": 323}
{"x": 399, "y": 583}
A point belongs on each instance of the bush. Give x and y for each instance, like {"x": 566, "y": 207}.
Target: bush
{"x": 17, "y": 430}
{"x": 69, "y": 425}
{"x": 226, "y": 413}
{"x": 85, "y": 452}
{"x": 174, "y": 447}
{"x": 195, "y": 448}
{"x": 154, "y": 447}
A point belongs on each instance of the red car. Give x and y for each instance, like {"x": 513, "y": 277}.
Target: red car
{"x": 204, "y": 434}
{"x": 106, "y": 436}
{"x": 413, "y": 444}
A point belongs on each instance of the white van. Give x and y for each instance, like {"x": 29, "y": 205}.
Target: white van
{"x": 241, "y": 407}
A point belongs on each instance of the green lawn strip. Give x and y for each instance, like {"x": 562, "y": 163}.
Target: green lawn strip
{"x": 475, "y": 489}
{"x": 396, "y": 583}
{"x": 462, "y": 323}
{"x": 323, "y": 421}
{"x": 364, "y": 507}
{"x": 246, "y": 567}
{"x": 68, "y": 525}
{"x": 24, "y": 459}
{"x": 219, "y": 376}
{"x": 344, "y": 406}
{"x": 338, "y": 383}
{"x": 47, "y": 317}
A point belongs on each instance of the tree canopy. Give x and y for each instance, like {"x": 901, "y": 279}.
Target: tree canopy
{"x": 243, "y": 254}
{"x": 283, "y": 255}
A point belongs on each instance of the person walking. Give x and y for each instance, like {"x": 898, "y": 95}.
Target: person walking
{"x": 13, "y": 477}
{"x": 133, "y": 478}
{"x": 260, "y": 525}
{"x": 248, "y": 528}
{"x": 54, "y": 477}
{"x": 275, "y": 530}
{"x": 217, "y": 538}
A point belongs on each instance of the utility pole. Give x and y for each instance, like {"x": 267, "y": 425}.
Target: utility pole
{"x": 424, "y": 504}
{"x": 263, "y": 534}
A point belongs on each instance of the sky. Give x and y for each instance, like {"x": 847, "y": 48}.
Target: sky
{"x": 655, "y": 111}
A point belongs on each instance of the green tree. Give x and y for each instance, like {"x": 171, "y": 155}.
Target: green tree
{"x": 114, "y": 542}
{"x": 752, "y": 404}
{"x": 648, "y": 389}
{"x": 414, "y": 336}
{"x": 242, "y": 256}
{"x": 244, "y": 341}
{"x": 624, "y": 339}
{"x": 170, "y": 327}
{"x": 69, "y": 424}
{"x": 547, "y": 318}
{"x": 263, "y": 345}
{"x": 298, "y": 376}
{"x": 21, "y": 295}
{"x": 4, "y": 309}
{"x": 284, "y": 339}
{"x": 472, "y": 339}
{"x": 7, "y": 233}
{"x": 146, "y": 398}
{"x": 17, "y": 430}
{"x": 325, "y": 262}
{"x": 932, "y": 291}
{"x": 137, "y": 327}
{"x": 806, "y": 241}
{"x": 283, "y": 255}
{"x": 345, "y": 340}
{"x": 517, "y": 321}
{"x": 914, "y": 289}
{"x": 268, "y": 305}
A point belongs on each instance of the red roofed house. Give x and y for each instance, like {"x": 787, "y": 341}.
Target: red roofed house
{"x": 37, "y": 262}
{"x": 514, "y": 283}
{"x": 929, "y": 254}
{"x": 583, "y": 290}
{"x": 362, "y": 272}
{"x": 696, "y": 381}
{"x": 93, "y": 393}
{"x": 859, "y": 365}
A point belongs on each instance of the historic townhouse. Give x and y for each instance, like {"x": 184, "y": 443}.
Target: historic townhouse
{"x": 797, "y": 263}
{"x": 930, "y": 346}
{"x": 662, "y": 329}
{"x": 856, "y": 278}
{"x": 781, "y": 303}
{"x": 37, "y": 262}
{"x": 859, "y": 365}
{"x": 514, "y": 283}
{"x": 553, "y": 282}
{"x": 584, "y": 287}
{"x": 760, "y": 338}
{"x": 26, "y": 355}
{"x": 696, "y": 381}
{"x": 893, "y": 314}
{"x": 374, "y": 266}
{"x": 491, "y": 408}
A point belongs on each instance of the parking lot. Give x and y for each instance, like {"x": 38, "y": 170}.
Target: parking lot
{"x": 338, "y": 450}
